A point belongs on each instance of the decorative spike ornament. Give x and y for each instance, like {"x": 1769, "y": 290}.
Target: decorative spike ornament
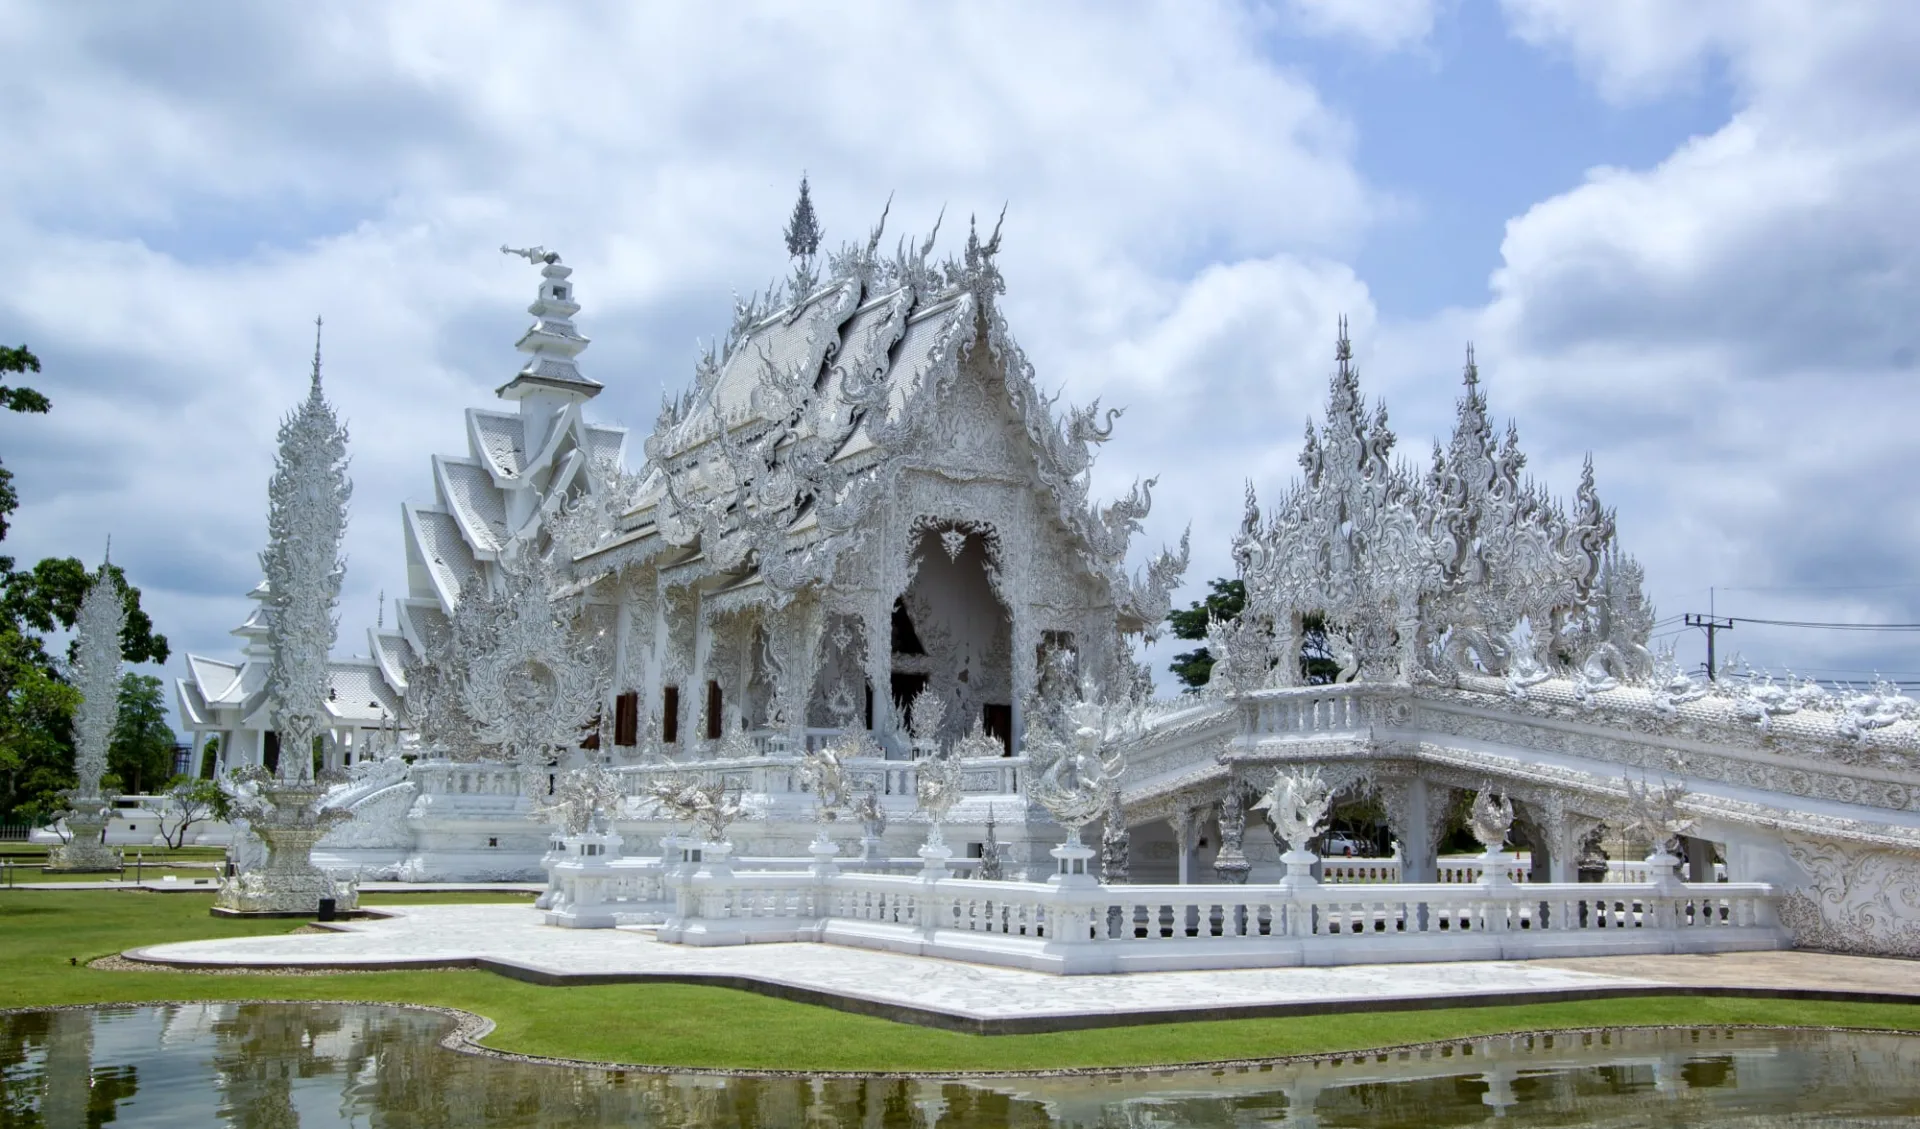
{"x": 803, "y": 230}
{"x": 96, "y": 675}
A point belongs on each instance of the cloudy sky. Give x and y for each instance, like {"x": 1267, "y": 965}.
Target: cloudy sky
{"x": 1682, "y": 236}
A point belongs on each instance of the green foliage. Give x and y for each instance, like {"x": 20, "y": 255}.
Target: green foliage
{"x": 16, "y": 399}
{"x": 195, "y": 799}
{"x": 141, "y": 753}
{"x": 210, "y": 756}
{"x": 47, "y": 598}
{"x": 36, "y": 723}
{"x": 1225, "y": 602}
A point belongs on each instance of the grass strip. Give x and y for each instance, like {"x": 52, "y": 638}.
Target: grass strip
{"x": 718, "y": 1028}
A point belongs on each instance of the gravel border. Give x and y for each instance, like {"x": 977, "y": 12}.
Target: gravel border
{"x": 469, "y": 1028}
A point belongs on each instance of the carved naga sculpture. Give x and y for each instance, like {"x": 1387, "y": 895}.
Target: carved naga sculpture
{"x": 1296, "y": 807}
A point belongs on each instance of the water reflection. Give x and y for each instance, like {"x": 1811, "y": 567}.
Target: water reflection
{"x": 266, "y": 1066}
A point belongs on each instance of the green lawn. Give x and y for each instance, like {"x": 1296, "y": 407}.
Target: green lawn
{"x": 669, "y": 1024}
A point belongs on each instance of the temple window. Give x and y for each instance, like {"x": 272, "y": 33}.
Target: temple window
{"x": 714, "y": 728}
{"x": 670, "y": 715}
{"x": 626, "y": 718}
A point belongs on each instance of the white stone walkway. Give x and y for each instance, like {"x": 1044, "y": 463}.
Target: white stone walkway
{"x": 515, "y": 936}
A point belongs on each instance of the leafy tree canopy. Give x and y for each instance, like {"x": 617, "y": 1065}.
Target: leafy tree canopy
{"x": 20, "y": 399}
{"x": 47, "y": 597}
{"x": 36, "y": 704}
{"x": 141, "y": 753}
{"x": 1226, "y": 601}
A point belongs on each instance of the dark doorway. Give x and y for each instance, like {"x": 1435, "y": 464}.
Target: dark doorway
{"x": 998, "y": 722}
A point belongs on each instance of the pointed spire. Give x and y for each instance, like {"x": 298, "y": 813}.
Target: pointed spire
{"x": 106, "y": 558}
{"x": 552, "y": 343}
{"x": 316, "y": 351}
{"x": 1473, "y": 370}
{"x": 380, "y": 613}
{"x": 803, "y": 230}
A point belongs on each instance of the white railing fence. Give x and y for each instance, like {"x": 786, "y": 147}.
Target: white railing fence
{"x": 697, "y": 896}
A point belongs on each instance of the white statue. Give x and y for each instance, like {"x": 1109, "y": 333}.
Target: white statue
{"x": 582, "y": 800}
{"x": 1296, "y": 806}
{"x": 1490, "y": 818}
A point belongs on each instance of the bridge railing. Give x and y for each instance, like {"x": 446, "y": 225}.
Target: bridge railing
{"x": 1097, "y": 928}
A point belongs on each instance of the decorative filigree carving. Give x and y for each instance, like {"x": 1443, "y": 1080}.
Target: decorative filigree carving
{"x": 1490, "y": 818}
{"x": 583, "y": 800}
{"x": 1654, "y": 811}
{"x": 537, "y": 685}
{"x": 1085, "y": 764}
{"x": 1296, "y": 806}
{"x": 1860, "y": 900}
{"x": 306, "y": 518}
{"x": 706, "y": 804}
{"x": 937, "y": 787}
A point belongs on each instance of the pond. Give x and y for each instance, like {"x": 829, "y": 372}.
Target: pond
{"x": 309, "y": 1065}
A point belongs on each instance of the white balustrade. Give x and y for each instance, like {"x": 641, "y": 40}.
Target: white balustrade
{"x": 779, "y": 774}
{"x": 1094, "y": 928}
{"x": 589, "y": 886}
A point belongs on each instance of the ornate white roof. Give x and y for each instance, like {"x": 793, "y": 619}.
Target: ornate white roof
{"x": 439, "y": 551}
{"x": 389, "y": 650}
{"x": 803, "y": 418}
{"x": 499, "y": 439}
{"x": 358, "y": 694}
{"x": 468, "y": 493}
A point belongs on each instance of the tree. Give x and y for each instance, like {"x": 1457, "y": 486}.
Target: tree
{"x": 1226, "y": 601}
{"x": 36, "y": 738}
{"x": 20, "y": 399}
{"x": 191, "y": 800}
{"x": 47, "y": 598}
{"x": 210, "y": 757}
{"x": 142, "y": 748}
{"x": 36, "y": 704}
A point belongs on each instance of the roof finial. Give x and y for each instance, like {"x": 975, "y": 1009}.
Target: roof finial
{"x": 552, "y": 343}
{"x": 316, "y": 350}
{"x": 534, "y": 255}
{"x": 803, "y": 230}
{"x": 106, "y": 559}
{"x": 1343, "y": 348}
{"x": 1473, "y": 370}
{"x": 380, "y": 616}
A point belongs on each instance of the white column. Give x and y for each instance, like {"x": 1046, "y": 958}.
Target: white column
{"x": 1182, "y": 822}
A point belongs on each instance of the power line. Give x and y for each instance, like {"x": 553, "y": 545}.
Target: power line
{"x": 1822, "y": 626}
{"x": 1818, "y": 587}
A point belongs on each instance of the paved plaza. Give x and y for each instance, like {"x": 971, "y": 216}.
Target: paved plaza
{"x": 512, "y": 940}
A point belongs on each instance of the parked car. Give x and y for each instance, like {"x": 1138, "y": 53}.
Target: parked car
{"x": 1340, "y": 844}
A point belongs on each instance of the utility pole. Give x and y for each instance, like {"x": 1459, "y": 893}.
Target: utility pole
{"x": 1713, "y": 625}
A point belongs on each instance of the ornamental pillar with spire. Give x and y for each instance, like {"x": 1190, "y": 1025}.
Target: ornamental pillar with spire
{"x": 96, "y": 674}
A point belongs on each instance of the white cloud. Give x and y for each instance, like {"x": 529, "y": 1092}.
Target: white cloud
{"x": 1731, "y": 330}
{"x": 1378, "y": 25}
{"x": 203, "y": 182}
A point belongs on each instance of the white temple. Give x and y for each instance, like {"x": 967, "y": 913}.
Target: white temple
{"x": 859, "y": 559}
